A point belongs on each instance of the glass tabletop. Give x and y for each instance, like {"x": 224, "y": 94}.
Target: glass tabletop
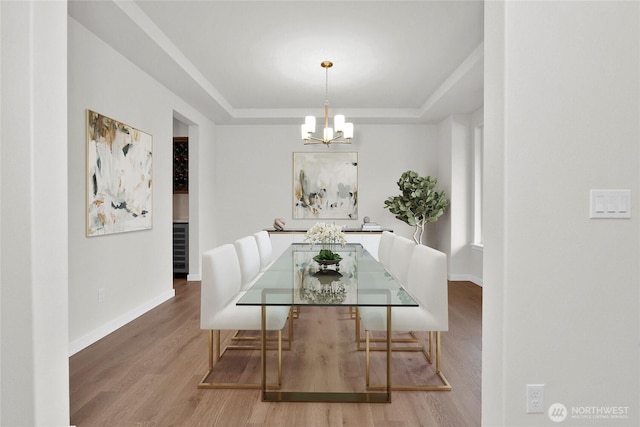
{"x": 295, "y": 278}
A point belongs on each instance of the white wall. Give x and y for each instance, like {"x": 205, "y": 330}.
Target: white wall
{"x": 34, "y": 372}
{"x": 180, "y": 128}
{"x": 561, "y": 300}
{"x": 134, "y": 269}
{"x": 474, "y": 266}
{"x": 441, "y": 239}
{"x": 254, "y": 172}
{"x": 455, "y": 228}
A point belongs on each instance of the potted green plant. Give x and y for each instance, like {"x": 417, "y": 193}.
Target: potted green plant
{"x": 328, "y": 236}
{"x": 419, "y": 203}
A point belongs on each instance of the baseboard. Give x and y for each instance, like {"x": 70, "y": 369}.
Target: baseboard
{"x": 465, "y": 278}
{"x": 193, "y": 277}
{"x": 101, "y": 332}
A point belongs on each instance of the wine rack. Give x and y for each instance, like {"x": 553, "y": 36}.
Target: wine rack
{"x": 180, "y": 165}
{"x": 180, "y": 247}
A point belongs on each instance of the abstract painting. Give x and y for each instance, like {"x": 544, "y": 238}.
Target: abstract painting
{"x": 325, "y": 185}
{"x": 119, "y": 177}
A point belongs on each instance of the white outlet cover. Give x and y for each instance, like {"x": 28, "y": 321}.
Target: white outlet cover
{"x": 535, "y": 398}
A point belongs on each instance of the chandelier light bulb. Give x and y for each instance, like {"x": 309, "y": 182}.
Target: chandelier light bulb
{"x": 310, "y": 124}
{"x": 328, "y": 134}
{"x": 348, "y": 131}
{"x": 338, "y": 122}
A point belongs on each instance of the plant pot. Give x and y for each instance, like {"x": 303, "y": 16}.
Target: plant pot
{"x": 324, "y": 263}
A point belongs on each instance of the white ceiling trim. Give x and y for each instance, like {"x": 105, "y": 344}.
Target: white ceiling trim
{"x": 159, "y": 55}
{"x": 145, "y": 23}
{"x": 142, "y": 20}
{"x": 475, "y": 58}
{"x": 454, "y": 78}
{"x": 296, "y": 116}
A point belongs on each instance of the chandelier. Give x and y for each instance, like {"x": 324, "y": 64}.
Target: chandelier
{"x": 344, "y": 131}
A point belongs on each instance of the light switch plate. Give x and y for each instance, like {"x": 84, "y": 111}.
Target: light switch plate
{"x": 610, "y": 204}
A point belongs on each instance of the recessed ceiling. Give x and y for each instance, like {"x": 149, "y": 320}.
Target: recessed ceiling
{"x": 259, "y": 61}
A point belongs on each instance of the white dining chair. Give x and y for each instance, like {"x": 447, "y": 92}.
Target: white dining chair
{"x": 220, "y": 290}
{"x": 248, "y": 253}
{"x": 249, "y": 257}
{"x": 427, "y": 279}
{"x": 400, "y": 257}
{"x": 385, "y": 246}
{"x": 264, "y": 248}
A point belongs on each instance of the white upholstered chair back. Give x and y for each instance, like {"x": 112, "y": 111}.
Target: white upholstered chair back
{"x": 264, "y": 248}
{"x": 384, "y": 248}
{"x": 220, "y": 290}
{"x": 400, "y": 258}
{"x": 427, "y": 277}
{"x": 220, "y": 283}
{"x": 428, "y": 284}
{"x": 249, "y": 257}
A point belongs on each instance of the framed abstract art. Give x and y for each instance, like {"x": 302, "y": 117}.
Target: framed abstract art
{"x": 119, "y": 177}
{"x": 325, "y": 185}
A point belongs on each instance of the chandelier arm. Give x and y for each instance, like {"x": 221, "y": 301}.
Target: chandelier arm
{"x": 327, "y": 142}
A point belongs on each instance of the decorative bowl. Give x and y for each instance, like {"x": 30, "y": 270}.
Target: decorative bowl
{"x": 326, "y": 262}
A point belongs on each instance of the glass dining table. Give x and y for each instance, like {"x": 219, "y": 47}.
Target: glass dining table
{"x": 358, "y": 280}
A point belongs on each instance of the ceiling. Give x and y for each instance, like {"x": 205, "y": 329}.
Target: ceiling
{"x": 259, "y": 61}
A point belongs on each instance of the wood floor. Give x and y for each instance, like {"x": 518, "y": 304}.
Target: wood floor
{"x": 146, "y": 373}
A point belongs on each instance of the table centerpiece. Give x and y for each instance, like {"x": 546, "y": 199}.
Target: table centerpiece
{"x": 328, "y": 236}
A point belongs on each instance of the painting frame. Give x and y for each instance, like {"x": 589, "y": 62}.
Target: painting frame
{"x": 119, "y": 177}
{"x": 325, "y": 185}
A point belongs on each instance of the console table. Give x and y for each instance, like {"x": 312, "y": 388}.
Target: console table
{"x": 282, "y": 239}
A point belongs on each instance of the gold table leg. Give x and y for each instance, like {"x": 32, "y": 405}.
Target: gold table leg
{"x": 263, "y": 350}
{"x": 389, "y": 353}
{"x": 340, "y": 397}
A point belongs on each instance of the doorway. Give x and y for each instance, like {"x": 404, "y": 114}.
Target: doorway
{"x": 180, "y": 202}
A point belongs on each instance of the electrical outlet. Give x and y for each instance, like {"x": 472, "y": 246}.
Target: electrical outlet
{"x": 101, "y": 294}
{"x": 535, "y": 398}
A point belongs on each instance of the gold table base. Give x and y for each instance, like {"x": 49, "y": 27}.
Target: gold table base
{"x": 335, "y": 397}
{"x": 338, "y": 397}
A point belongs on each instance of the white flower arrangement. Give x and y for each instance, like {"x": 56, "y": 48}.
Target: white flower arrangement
{"x": 326, "y": 234}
